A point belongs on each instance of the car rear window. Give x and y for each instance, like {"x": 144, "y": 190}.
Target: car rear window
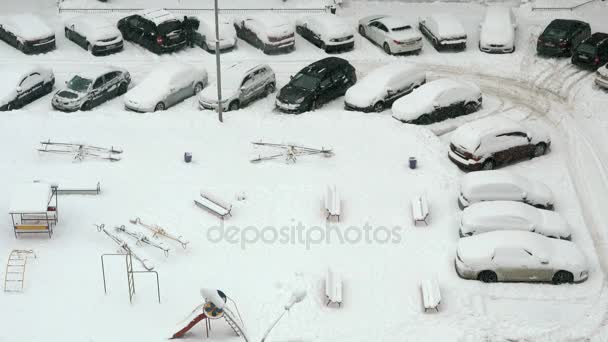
{"x": 169, "y": 26}
{"x": 402, "y": 28}
{"x": 587, "y": 48}
{"x": 555, "y": 33}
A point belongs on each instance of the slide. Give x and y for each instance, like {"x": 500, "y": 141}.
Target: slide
{"x": 195, "y": 316}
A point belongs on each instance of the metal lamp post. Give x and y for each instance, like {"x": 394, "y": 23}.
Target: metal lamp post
{"x": 217, "y": 62}
{"x": 295, "y": 298}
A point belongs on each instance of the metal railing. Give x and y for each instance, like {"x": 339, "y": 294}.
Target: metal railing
{"x": 311, "y": 10}
{"x": 562, "y": 8}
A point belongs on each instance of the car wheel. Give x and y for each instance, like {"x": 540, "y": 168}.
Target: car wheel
{"x": 122, "y": 88}
{"x": 67, "y": 33}
{"x": 314, "y": 105}
{"x": 425, "y": 120}
{"x": 562, "y": 277}
{"x": 86, "y": 106}
{"x": 379, "y": 107}
{"x": 90, "y": 47}
{"x": 47, "y": 88}
{"x": 198, "y": 88}
{"x": 488, "y": 277}
{"x": 205, "y": 46}
{"x": 159, "y": 107}
{"x": 540, "y": 149}
{"x": 234, "y": 105}
{"x": 470, "y": 107}
{"x": 362, "y": 30}
{"x": 488, "y": 165}
{"x": 270, "y": 88}
{"x": 387, "y": 48}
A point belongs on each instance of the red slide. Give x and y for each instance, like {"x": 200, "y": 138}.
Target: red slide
{"x": 196, "y": 316}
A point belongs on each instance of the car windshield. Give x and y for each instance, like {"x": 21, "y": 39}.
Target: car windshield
{"x": 79, "y": 84}
{"x": 305, "y": 81}
{"x": 402, "y": 28}
{"x": 169, "y": 26}
{"x": 586, "y": 48}
{"x": 555, "y": 33}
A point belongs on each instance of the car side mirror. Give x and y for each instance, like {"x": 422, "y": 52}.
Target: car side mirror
{"x": 19, "y": 90}
{"x": 524, "y": 195}
{"x": 290, "y": 76}
{"x": 529, "y": 138}
{"x": 435, "y": 104}
{"x": 544, "y": 261}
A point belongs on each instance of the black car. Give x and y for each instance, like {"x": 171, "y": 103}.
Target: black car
{"x": 318, "y": 83}
{"x": 27, "y": 32}
{"x": 157, "y": 30}
{"x": 592, "y": 52}
{"x": 561, "y": 37}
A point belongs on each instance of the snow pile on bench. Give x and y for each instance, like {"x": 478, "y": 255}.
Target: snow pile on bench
{"x": 333, "y": 288}
{"x": 431, "y": 295}
{"x": 332, "y": 202}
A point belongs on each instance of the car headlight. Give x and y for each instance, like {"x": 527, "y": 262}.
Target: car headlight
{"x": 300, "y": 100}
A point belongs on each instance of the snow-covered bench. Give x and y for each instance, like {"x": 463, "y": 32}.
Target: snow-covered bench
{"x": 333, "y": 288}
{"x": 420, "y": 210}
{"x": 431, "y": 295}
{"x": 332, "y": 202}
{"x": 213, "y": 207}
{"x": 77, "y": 189}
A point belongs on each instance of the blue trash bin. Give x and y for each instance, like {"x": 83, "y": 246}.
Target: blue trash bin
{"x": 413, "y": 162}
{"x": 187, "y": 157}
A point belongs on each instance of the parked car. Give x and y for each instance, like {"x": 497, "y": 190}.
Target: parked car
{"x": 497, "y": 31}
{"x": 561, "y": 36}
{"x": 601, "y": 77}
{"x": 494, "y": 141}
{"x": 327, "y": 31}
{"x": 271, "y": 33}
{"x": 438, "y": 100}
{"x": 95, "y": 34}
{"x": 27, "y": 32}
{"x": 383, "y": 86}
{"x": 483, "y": 217}
{"x": 156, "y": 30}
{"x": 204, "y": 36}
{"x": 520, "y": 256}
{"x": 242, "y": 84}
{"x": 503, "y": 186}
{"x": 444, "y": 31}
{"x": 592, "y": 53}
{"x": 22, "y": 84}
{"x": 166, "y": 86}
{"x": 90, "y": 88}
{"x": 316, "y": 84}
{"x": 394, "y": 34}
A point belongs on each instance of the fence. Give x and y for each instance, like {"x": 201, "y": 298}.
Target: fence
{"x": 312, "y": 10}
{"x": 561, "y": 8}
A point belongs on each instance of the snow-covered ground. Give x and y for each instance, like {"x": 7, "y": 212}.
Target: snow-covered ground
{"x": 64, "y": 300}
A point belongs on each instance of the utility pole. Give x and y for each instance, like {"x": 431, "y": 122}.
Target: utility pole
{"x": 217, "y": 62}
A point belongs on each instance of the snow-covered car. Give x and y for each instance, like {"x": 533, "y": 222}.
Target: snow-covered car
{"x": 27, "y": 32}
{"x": 601, "y": 77}
{"x": 500, "y": 185}
{"x": 394, "y": 34}
{"x": 497, "y": 31}
{"x": 492, "y": 216}
{"x": 204, "y": 36}
{"x": 270, "y": 32}
{"x": 383, "y": 86}
{"x": 327, "y": 31}
{"x": 520, "y": 256}
{"x": 155, "y": 29}
{"x": 22, "y": 84}
{"x": 95, "y": 34}
{"x": 490, "y": 142}
{"x": 242, "y": 83}
{"x": 444, "y": 31}
{"x": 166, "y": 86}
{"x": 90, "y": 88}
{"x": 438, "y": 100}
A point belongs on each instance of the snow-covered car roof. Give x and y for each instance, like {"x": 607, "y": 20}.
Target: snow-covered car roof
{"x": 560, "y": 253}
{"x": 267, "y": 20}
{"x": 496, "y": 16}
{"x": 27, "y": 26}
{"x": 469, "y": 135}
{"x": 448, "y": 25}
{"x": 481, "y": 179}
{"x": 511, "y": 215}
{"x": 392, "y": 22}
{"x": 387, "y": 73}
{"x": 328, "y": 25}
{"x": 158, "y": 15}
{"x": 422, "y": 100}
{"x": 93, "y": 27}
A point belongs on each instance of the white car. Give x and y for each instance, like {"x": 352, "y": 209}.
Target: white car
{"x": 22, "y": 84}
{"x": 394, "y": 34}
{"x": 242, "y": 83}
{"x": 490, "y": 142}
{"x": 381, "y": 87}
{"x": 444, "y": 31}
{"x": 204, "y": 36}
{"x": 520, "y": 256}
{"x": 497, "y": 31}
{"x": 601, "y": 77}
{"x": 270, "y": 32}
{"x": 327, "y": 31}
{"x": 438, "y": 100}
{"x": 95, "y": 34}
{"x": 503, "y": 186}
{"x": 166, "y": 86}
{"x": 491, "y": 216}
{"x": 27, "y": 32}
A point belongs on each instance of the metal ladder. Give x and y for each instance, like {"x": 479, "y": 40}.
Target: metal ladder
{"x": 233, "y": 323}
{"x": 15, "y": 270}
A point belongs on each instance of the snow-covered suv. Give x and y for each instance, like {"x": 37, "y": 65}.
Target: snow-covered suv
{"x": 156, "y": 29}
{"x": 444, "y": 31}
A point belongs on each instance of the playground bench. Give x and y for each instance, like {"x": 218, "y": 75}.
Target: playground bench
{"x": 213, "y": 207}
{"x": 431, "y": 295}
{"x": 420, "y": 210}
{"x": 332, "y": 203}
{"x": 333, "y": 288}
{"x": 32, "y": 228}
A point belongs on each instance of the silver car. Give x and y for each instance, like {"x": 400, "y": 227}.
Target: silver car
{"x": 242, "y": 83}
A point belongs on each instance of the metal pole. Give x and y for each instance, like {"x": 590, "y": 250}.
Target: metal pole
{"x": 217, "y": 62}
